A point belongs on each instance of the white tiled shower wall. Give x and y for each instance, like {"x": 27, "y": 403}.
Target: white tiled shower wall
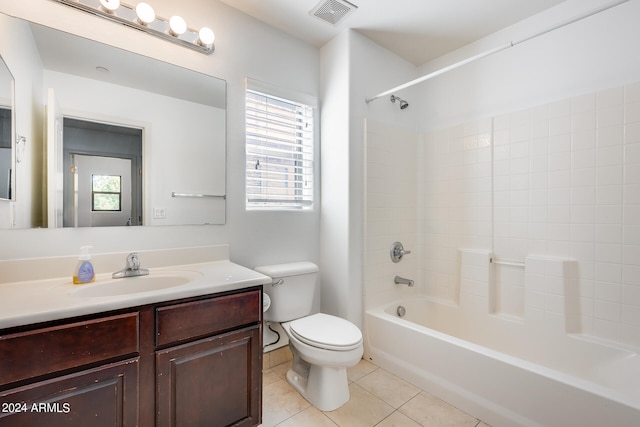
{"x": 561, "y": 180}
{"x": 392, "y": 209}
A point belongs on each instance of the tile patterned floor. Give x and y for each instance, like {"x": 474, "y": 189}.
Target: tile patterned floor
{"x": 378, "y": 398}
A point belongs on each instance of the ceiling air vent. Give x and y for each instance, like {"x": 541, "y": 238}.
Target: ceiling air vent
{"x": 333, "y": 11}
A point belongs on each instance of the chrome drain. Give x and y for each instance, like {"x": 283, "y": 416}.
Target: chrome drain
{"x": 401, "y": 311}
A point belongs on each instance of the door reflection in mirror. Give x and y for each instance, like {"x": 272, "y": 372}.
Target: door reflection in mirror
{"x": 6, "y": 168}
{"x": 92, "y": 149}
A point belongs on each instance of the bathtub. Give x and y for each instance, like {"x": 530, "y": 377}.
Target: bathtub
{"x": 503, "y": 372}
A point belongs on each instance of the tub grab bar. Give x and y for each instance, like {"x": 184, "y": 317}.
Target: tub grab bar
{"x": 505, "y": 262}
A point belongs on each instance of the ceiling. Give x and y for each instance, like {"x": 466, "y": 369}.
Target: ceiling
{"x": 417, "y": 30}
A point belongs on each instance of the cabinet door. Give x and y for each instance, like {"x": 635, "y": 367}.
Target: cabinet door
{"x": 105, "y": 396}
{"x": 212, "y": 382}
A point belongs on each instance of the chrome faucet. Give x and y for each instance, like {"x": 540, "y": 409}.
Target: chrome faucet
{"x": 132, "y": 269}
{"x": 402, "y": 281}
{"x": 397, "y": 252}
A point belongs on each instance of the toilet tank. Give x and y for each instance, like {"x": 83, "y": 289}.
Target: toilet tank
{"x": 292, "y": 290}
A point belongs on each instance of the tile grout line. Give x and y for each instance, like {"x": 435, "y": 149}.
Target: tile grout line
{"x": 478, "y": 422}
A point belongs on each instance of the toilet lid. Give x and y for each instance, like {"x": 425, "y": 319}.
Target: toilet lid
{"x": 326, "y": 331}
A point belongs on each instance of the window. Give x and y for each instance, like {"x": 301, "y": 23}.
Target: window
{"x": 106, "y": 193}
{"x": 279, "y": 152}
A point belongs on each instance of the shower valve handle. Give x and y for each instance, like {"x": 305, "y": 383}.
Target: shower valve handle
{"x": 397, "y": 252}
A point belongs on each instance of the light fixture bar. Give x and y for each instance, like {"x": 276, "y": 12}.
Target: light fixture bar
{"x": 126, "y": 15}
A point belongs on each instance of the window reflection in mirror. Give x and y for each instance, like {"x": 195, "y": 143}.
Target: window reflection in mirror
{"x": 106, "y": 193}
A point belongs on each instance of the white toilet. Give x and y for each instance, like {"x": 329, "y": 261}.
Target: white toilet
{"x": 323, "y": 346}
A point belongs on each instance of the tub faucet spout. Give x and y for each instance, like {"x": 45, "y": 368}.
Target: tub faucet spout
{"x": 402, "y": 281}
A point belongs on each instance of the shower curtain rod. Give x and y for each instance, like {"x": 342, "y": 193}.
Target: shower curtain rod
{"x": 493, "y": 51}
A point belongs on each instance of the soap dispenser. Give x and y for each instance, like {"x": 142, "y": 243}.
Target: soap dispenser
{"x": 84, "y": 272}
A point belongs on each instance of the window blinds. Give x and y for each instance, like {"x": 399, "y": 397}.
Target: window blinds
{"x": 279, "y": 152}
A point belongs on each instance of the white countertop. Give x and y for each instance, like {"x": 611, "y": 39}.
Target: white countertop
{"x": 27, "y": 302}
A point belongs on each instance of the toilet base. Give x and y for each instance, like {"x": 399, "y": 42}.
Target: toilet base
{"x": 325, "y": 388}
{"x": 320, "y": 375}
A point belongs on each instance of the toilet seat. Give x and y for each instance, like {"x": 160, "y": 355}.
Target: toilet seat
{"x": 326, "y": 331}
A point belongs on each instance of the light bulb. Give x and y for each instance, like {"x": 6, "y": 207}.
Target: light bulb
{"x": 206, "y": 37}
{"x": 145, "y": 13}
{"x": 177, "y": 26}
{"x": 110, "y": 6}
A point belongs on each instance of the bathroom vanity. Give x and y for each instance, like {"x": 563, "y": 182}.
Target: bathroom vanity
{"x": 192, "y": 357}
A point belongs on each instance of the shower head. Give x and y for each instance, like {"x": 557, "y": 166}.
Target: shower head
{"x": 403, "y": 104}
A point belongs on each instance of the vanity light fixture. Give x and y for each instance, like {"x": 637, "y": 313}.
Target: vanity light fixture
{"x": 206, "y": 37}
{"x": 142, "y": 17}
{"x": 110, "y": 6}
{"x": 177, "y": 25}
{"x": 145, "y": 13}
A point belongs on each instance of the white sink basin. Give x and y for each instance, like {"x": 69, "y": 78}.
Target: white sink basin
{"x": 133, "y": 285}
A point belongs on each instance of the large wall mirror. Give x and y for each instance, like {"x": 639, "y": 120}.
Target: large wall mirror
{"x": 129, "y": 140}
{"x": 7, "y": 146}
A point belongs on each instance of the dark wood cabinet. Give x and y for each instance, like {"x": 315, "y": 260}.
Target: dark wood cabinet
{"x": 209, "y": 382}
{"x": 105, "y": 396}
{"x": 190, "y": 362}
